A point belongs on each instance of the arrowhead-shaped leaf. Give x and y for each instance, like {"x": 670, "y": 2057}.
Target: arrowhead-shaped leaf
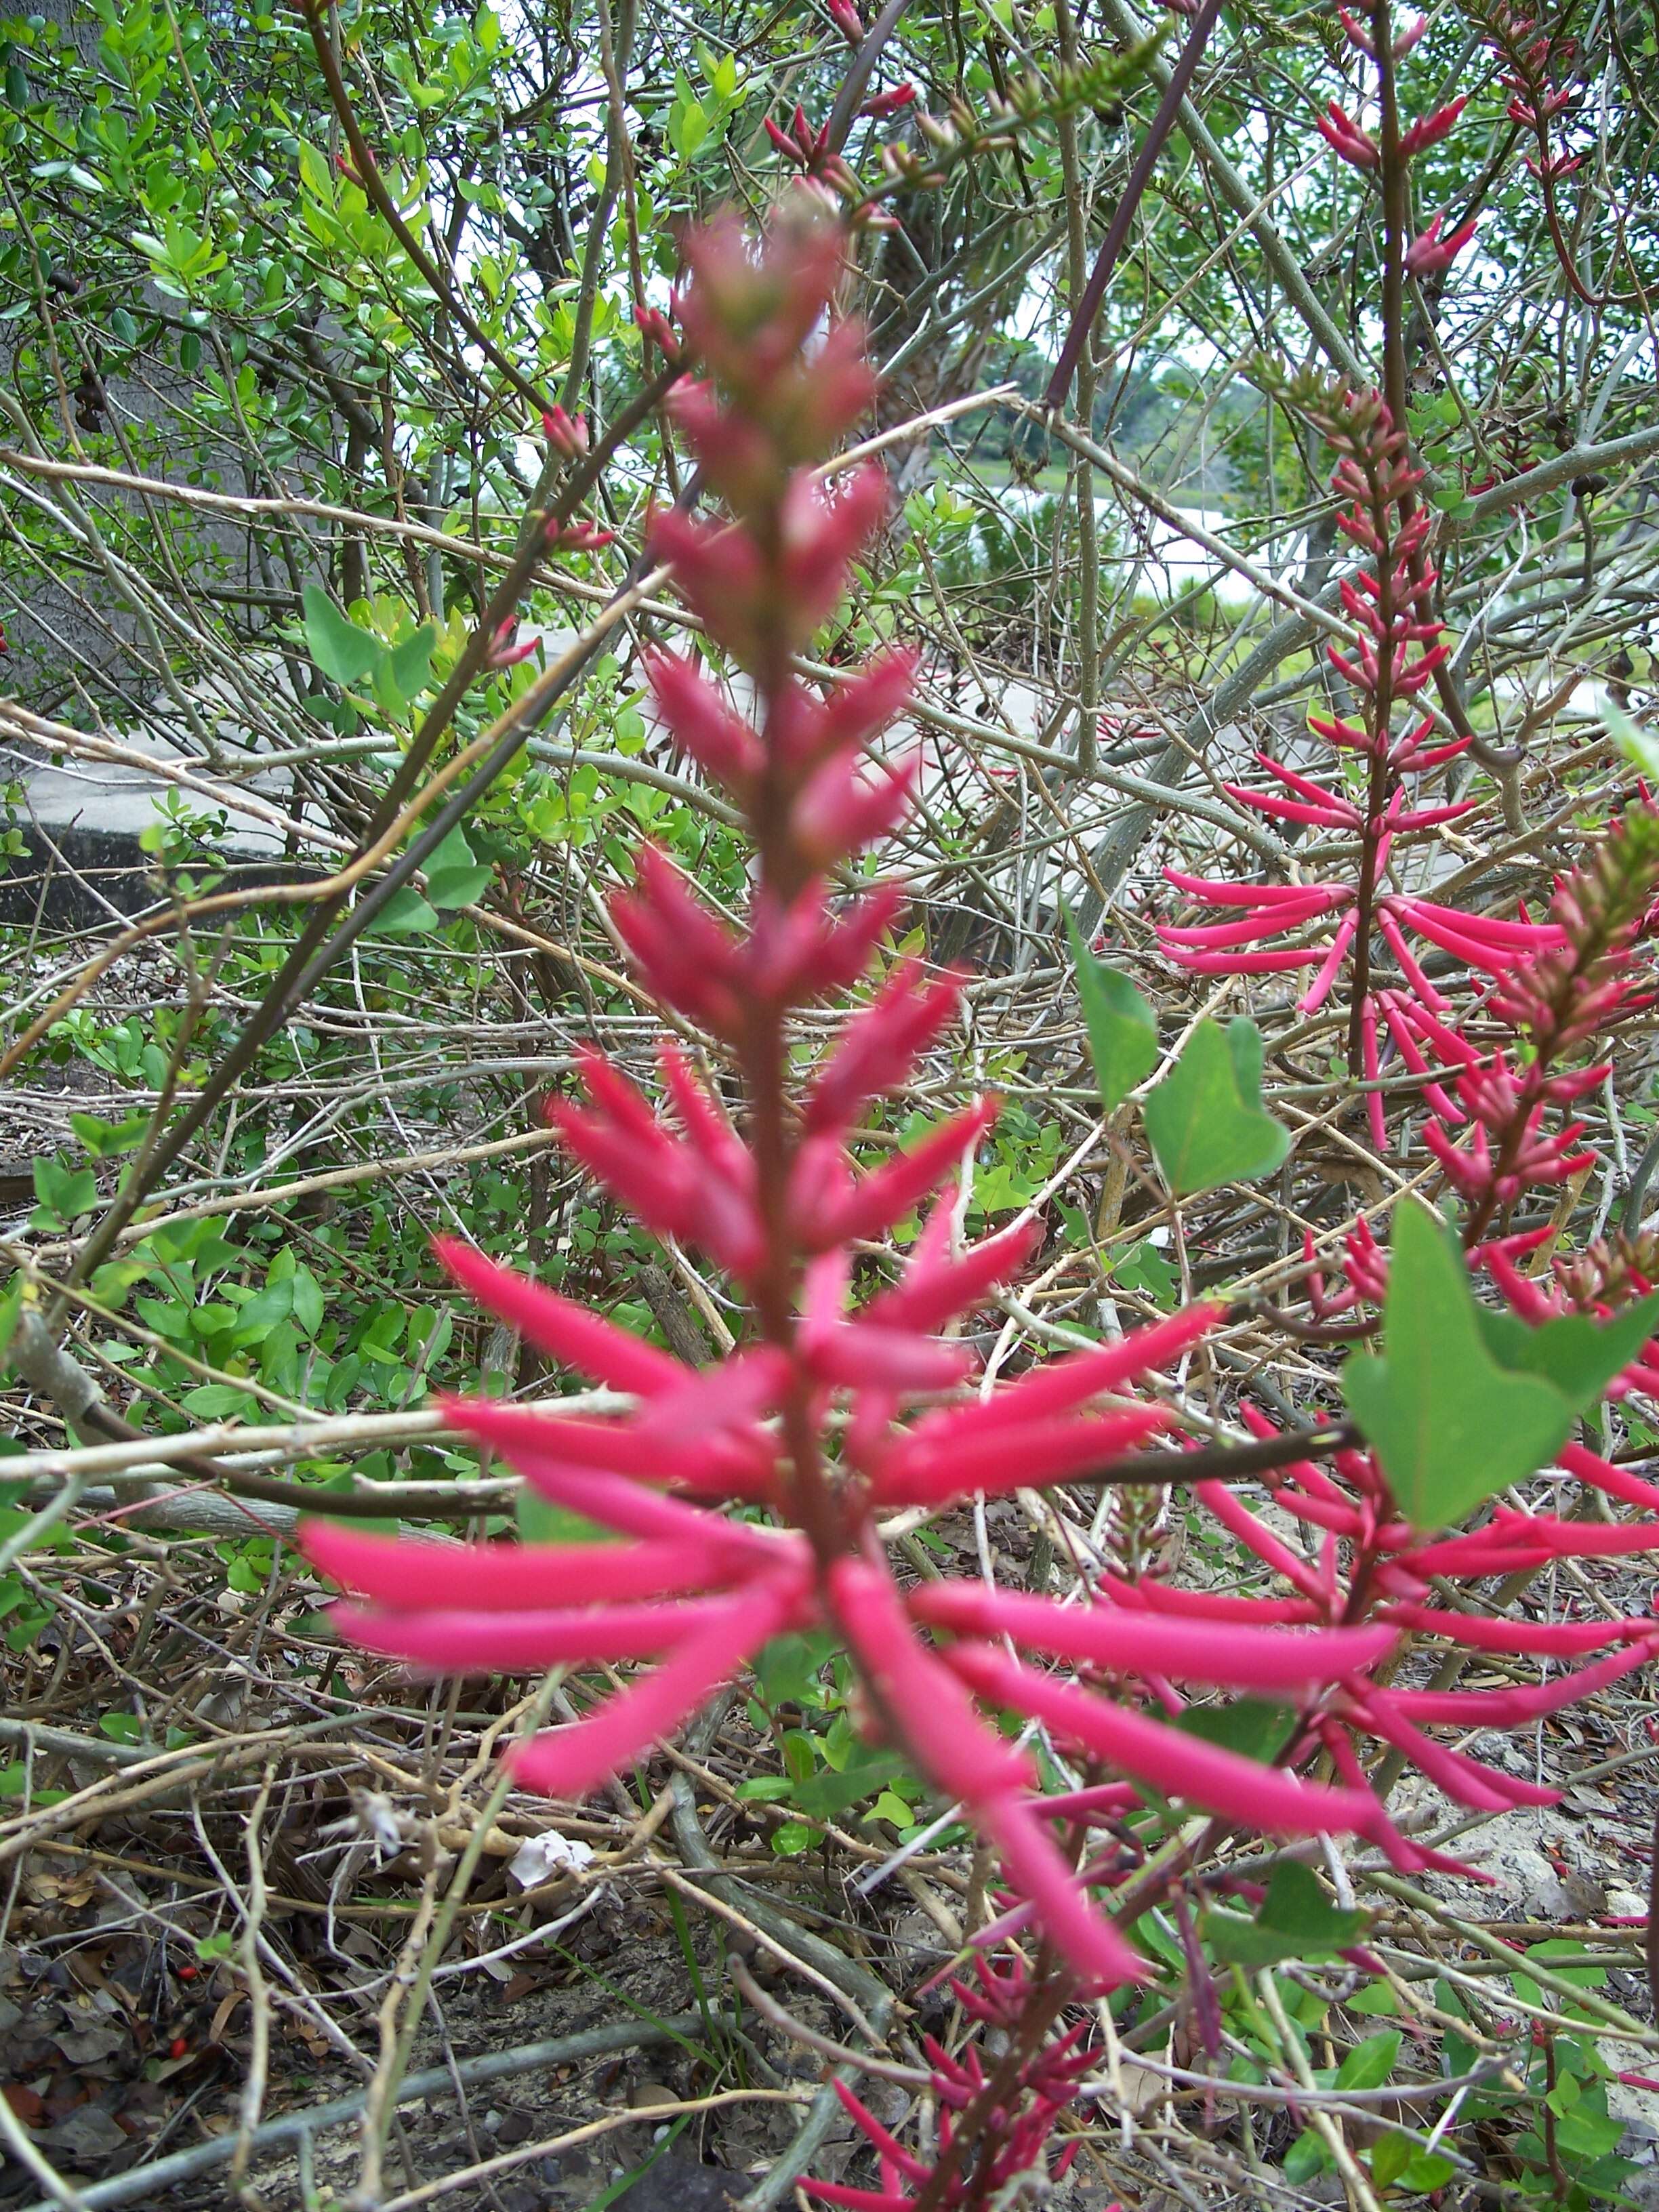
{"x": 1450, "y": 1424}
{"x": 1580, "y": 1357}
{"x": 1123, "y": 1032}
{"x": 1206, "y": 1120}
{"x": 339, "y": 648}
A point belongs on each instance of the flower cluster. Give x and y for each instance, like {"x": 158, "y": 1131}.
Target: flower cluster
{"x": 1372, "y": 1564}
{"x": 1431, "y": 253}
{"x": 1563, "y": 985}
{"x": 1493, "y": 1125}
{"x": 817, "y": 1424}
{"x": 1532, "y": 62}
{"x": 1016, "y": 2127}
{"x": 1329, "y": 925}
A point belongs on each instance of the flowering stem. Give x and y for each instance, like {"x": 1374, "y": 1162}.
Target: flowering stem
{"x": 1051, "y": 1992}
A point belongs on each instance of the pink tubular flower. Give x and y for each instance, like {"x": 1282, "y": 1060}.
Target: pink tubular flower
{"x": 1396, "y": 1567}
{"x": 566, "y": 433}
{"x": 1430, "y": 129}
{"x": 505, "y": 651}
{"x": 1014, "y": 2156}
{"x": 1397, "y": 650}
{"x": 882, "y": 104}
{"x": 1176, "y": 1765}
{"x": 818, "y": 1423}
{"x": 656, "y": 330}
{"x": 1430, "y": 254}
{"x": 810, "y": 152}
{"x": 1346, "y": 138}
{"x": 578, "y": 537}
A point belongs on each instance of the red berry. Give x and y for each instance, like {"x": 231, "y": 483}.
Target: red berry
{"x": 178, "y": 2046}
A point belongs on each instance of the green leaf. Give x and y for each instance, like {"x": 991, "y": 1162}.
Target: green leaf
{"x": 105, "y": 1138}
{"x": 1389, "y": 2159}
{"x": 1451, "y": 1426}
{"x": 1378, "y": 1998}
{"x": 800, "y": 1759}
{"x": 264, "y": 1310}
{"x": 339, "y": 648}
{"x": 1425, "y": 2170}
{"x": 1206, "y": 1120}
{"x": 763, "y": 1789}
{"x": 411, "y": 663}
{"x": 688, "y": 131}
{"x": 889, "y": 1806}
{"x": 1555, "y": 1948}
{"x": 1306, "y": 2157}
{"x": 1636, "y": 742}
{"x": 11, "y": 1310}
{"x": 1251, "y": 1725}
{"x": 793, "y": 1838}
{"x": 453, "y": 877}
{"x": 63, "y": 1193}
{"x": 826, "y": 1795}
{"x": 405, "y": 913}
{"x": 216, "y": 1402}
{"x": 1123, "y": 1031}
{"x": 390, "y": 700}
{"x": 14, "y": 1781}
{"x": 307, "y": 1300}
{"x": 1295, "y": 1920}
{"x": 786, "y": 1669}
{"x": 1369, "y": 2063}
{"x": 541, "y": 1522}
{"x": 1580, "y": 1357}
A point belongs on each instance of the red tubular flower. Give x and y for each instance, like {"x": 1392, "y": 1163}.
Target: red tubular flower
{"x": 1396, "y": 1566}
{"x": 719, "y": 740}
{"x": 1346, "y": 138}
{"x": 504, "y": 650}
{"x": 1428, "y": 255}
{"x": 879, "y": 1046}
{"x": 563, "y": 1330}
{"x": 1430, "y": 129}
{"x": 566, "y": 433}
{"x": 1014, "y": 2157}
{"x": 883, "y": 105}
{"x": 690, "y": 960}
{"x": 1200, "y": 1651}
{"x": 1172, "y": 1762}
{"x": 811, "y": 1422}
{"x": 579, "y": 537}
{"x": 656, "y": 330}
